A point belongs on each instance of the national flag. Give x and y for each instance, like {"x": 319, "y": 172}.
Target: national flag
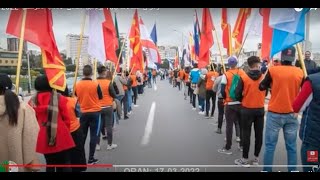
{"x": 239, "y": 27}
{"x": 38, "y": 30}
{"x": 136, "y": 45}
{"x": 122, "y": 54}
{"x": 266, "y": 34}
{"x": 226, "y": 29}
{"x": 196, "y": 36}
{"x": 288, "y": 28}
{"x": 153, "y": 34}
{"x": 96, "y": 42}
{"x": 176, "y": 60}
{"x": 111, "y": 41}
{"x": 148, "y": 44}
{"x": 206, "y": 38}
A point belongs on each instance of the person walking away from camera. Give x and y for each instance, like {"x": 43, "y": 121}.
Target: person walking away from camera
{"x": 308, "y": 102}
{"x": 232, "y": 109}
{"x": 19, "y": 128}
{"x": 194, "y": 79}
{"x": 134, "y": 86}
{"x": 202, "y": 91}
{"x": 210, "y": 94}
{"x": 106, "y": 102}
{"x": 149, "y": 79}
{"x": 54, "y": 140}
{"x": 181, "y": 77}
{"x": 252, "y": 110}
{"x": 187, "y": 83}
{"x": 89, "y": 93}
{"x": 124, "y": 100}
{"x": 285, "y": 82}
{"x": 217, "y": 89}
{"x": 77, "y": 154}
{"x": 129, "y": 91}
{"x": 154, "y": 76}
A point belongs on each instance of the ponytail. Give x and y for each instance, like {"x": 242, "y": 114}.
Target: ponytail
{"x": 12, "y": 106}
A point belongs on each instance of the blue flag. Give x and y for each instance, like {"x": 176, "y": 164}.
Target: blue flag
{"x": 288, "y": 28}
{"x": 154, "y": 34}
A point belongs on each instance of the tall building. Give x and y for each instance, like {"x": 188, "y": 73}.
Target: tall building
{"x": 72, "y": 42}
{"x": 162, "y": 52}
{"x": 13, "y": 45}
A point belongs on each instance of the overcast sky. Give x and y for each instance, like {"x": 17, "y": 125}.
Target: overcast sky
{"x": 168, "y": 20}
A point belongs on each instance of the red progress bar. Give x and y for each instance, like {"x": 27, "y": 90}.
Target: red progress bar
{"x": 61, "y": 165}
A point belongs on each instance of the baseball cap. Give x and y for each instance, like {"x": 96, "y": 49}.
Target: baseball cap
{"x": 232, "y": 61}
{"x": 288, "y": 54}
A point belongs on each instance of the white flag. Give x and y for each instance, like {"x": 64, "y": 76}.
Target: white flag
{"x": 96, "y": 41}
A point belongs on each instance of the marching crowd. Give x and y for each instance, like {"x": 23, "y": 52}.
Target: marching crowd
{"x": 241, "y": 100}
{"x": 55, "y": 123}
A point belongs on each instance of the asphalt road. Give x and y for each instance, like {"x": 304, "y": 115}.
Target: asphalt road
{"x": 164, "y": 134}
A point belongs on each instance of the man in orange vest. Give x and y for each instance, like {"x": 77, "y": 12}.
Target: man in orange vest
{"x": 286, "y": 81}
{"x": 210, "y": 78}
{"x": 252, "y": 109}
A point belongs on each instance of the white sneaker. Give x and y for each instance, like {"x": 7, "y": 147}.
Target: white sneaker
{"x": 98, "y": 147}
{"x": 130, "y": 112}
{"x": 112, "y": 146}
{"x": 242, "y": 162}
{"x": 238, "y": 139}
{"x": 194, "y": 109}
{"x": 255, "y": 161}
{"x": 135, "y": 105}
{"x": 224, "y": 151}
{"x": 201, "y": 112}
{"x": 225, "y": 139}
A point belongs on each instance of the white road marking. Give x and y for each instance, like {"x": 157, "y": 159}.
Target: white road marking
{"x": 149, "y": 125}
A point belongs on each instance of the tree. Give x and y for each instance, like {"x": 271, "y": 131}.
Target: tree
{"x": 71, "y": 68}
{"x": 68, "y": 61}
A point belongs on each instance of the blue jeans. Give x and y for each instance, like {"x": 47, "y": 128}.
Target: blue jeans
{"x": 129, "y": 96}
{"x": 201, "y": 102}
{"x": 309, "y": 147}
{"x": 274, "y": 123}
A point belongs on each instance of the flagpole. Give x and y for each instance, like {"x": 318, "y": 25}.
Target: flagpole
{"x": 115, "y": 70}
{"x": 223, "y": 66}
{"x": 230, "y": 40}
{"x": 23, "y": 26}
{"x": 301, "y": 60}
{"x": 95, "y": 68}
{"x": 79, "y": 52}
{"x": 29, "y": 73}
{"x": 134, "y": 64}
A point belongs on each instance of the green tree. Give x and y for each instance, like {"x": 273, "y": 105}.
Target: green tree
{"x": 68, "y": 61}
{"x": 71, "y": 68}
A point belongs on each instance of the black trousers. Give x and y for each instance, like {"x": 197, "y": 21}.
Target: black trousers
{"x": 77, "y": 154}
{"x": 249, "y": 117}
{"x": 135, "y": 95}
{"x": 124, "y": 103}
{"x": 92, "y": 121}
{"x": 59, "y": 158}
{"x": 233, "y": 116}
{"x": 210, "y": 95}
{"x": 220, "y": 112}
{"x": 106, "y": 124}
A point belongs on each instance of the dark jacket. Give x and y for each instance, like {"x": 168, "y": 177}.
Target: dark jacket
{"x": 310, "y": 64}
{"x": 310, "y": 123}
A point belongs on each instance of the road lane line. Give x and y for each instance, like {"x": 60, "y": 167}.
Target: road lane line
{"x": 148, "y": 129}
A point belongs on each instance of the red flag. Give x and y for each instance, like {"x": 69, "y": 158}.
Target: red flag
{"x": 239, "y": 27}
{"x": 226, "y": 28}
{"x": 176, "y": 61}
{"x": 135, "y": 44}
{"x": 206, "y": 37}
{"x": 110, "y": 37}
{"x": 38, "y": 30}
{"x": 266, "y": 34}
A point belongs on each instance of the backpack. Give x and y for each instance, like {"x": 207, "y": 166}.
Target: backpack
{"x": 129, "y": 83}
{"x": 234, "y": 83}
{"x": 115, "y": 87}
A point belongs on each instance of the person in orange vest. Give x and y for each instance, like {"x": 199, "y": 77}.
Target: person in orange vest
{"x": 134, "y": 86}
{"x": 252, "y": 110}
{"x": 154, "y": 76}
{"x": 210, "y": 94}
{"x": 285, "y": 82}
{"x": 232, "y": 108}
{"x": 180, "y": 79}
{"x": 89, "y": 93}
{"x": 106, "y": 102}
{"x": 77, "y": 154}
{"x": 187, "y": 89}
